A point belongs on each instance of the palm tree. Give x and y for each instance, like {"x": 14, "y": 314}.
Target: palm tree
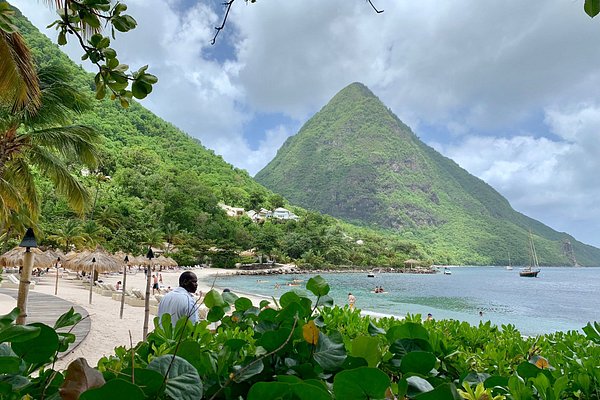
{"x": 69, "y": 235}
{"x": 43, "y": 140}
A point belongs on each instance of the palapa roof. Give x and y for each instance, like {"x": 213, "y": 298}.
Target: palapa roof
{"x": 98, "y": 259}
{"x": 14, "y": 258}
{"x": 165, "y": 261}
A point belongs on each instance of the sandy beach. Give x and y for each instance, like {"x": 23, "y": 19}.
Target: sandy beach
{"x": 107, "y": 330}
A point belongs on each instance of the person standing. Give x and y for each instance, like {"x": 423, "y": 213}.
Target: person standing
{"x": 180, "y": 302}
{"x": 351, "y": 300}
{"x": 155, "y": 284}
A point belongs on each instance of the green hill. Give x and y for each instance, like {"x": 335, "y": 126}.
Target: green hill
{"x": 357, "y": 161}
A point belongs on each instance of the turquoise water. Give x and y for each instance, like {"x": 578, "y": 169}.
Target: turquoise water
{"x": 559, "y": 299}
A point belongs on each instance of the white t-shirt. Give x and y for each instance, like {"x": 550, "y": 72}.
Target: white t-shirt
{"x": 179, "y": 303}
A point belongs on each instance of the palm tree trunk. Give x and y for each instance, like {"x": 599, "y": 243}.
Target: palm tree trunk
{"x": 24, "y": 287}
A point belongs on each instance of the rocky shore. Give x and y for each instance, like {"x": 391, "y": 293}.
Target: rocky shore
{"x": 281, "y": 269}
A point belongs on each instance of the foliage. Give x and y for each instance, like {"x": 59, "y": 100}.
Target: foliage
{"x": 357, "y": 161}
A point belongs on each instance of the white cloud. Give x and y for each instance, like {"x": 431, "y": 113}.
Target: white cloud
{"x": 472, "y": 71}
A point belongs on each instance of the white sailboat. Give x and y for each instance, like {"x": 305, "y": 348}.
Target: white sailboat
{"x": 533, "y": 269}
{"x": 509, "y": 266}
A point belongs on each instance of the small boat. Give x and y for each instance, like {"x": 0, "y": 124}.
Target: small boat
{"x": 370, "y": 275}
{"x": 447, "y": 271}
{"x": 509, "y": 266}
{"x": 533, "y": 269}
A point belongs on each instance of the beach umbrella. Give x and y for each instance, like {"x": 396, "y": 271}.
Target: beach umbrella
{"x": 165, "y": 261}
{"x": 410, "y": 262}
{"x": 94, "y": 261}
{"x": 15, "y": 258}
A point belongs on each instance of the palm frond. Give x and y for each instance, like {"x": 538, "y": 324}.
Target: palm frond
{"x": 18, "y": 79}
{"x": 60, "y": 100}
{"x": 19, "y": 174}
{"x": 10, "y": 198}
{"x": 75, "y": 142}
{"x": 66, "y": 184}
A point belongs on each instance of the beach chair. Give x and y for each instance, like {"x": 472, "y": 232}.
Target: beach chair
{"x": 12, "y": 282}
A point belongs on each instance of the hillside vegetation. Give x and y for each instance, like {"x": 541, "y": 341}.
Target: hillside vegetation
{"x": 158, "y": 186}
{"x": 357, "y": 161}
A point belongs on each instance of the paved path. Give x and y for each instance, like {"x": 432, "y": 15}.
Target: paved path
{"x": 46, "y": 309}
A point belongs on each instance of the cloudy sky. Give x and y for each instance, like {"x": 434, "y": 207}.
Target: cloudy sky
{"x": 509, "y": 90}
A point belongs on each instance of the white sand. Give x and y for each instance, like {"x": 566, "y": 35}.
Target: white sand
{"x": 107, "y": 330}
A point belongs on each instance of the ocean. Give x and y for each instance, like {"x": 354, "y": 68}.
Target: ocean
{"x": 559, "y": 299}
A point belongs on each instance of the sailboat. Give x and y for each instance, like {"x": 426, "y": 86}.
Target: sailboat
{"x": 533, "y": 269}
{"x": 509, "y": 266}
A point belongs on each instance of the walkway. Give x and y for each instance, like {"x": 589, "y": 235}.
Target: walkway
{"x": 46, "y": 309}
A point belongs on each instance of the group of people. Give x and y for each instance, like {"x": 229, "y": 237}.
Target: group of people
{"x": 378, "y": 289}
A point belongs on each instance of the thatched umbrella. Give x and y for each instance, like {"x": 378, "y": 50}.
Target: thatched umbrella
{"x": 410, "y": 262}
{"x": 165, "y": 261}
{"x": 14, "y": 258}
{"x": 92, "y": 261}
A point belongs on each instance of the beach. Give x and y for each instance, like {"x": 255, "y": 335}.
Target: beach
{"x": 107, "y": 329}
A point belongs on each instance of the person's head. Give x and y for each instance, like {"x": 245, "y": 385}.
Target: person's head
{"x": 226, "y": 290}
{"x": 118, "y": 282}
{"x": 429, "y": 315}
{"x": 349, "y": 294}
{"x": 188, "y": 281}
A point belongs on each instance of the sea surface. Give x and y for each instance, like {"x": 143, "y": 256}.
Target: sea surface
{"x": 559, "y": 299}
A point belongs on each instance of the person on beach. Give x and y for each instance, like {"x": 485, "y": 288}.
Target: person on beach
{"x": 429, "y": 317}
{"x": 155, "y": 286}
{"x": 118, "y": 285}
{"x": 351, "y": 300}
{"x": 180, "y": 302}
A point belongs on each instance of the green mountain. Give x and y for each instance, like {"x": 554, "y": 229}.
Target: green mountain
{"x": 357, "y": 161}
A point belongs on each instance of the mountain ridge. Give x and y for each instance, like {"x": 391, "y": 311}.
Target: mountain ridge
{"x": 356, "y": 160}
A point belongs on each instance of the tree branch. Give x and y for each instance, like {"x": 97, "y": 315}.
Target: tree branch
{"x": 374, "y": 8}
{"x": 220, "y": 28}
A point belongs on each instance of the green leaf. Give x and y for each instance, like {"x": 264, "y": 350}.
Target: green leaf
{"x": 374, "y": 330}
{"x": 368, "y": 348}
{"x": 148, "y": 380}
{"x": 361, "y": 383}
{"x": 228, "y": 297}
{"x": 496, "y": 380}
{"x": 285, "y": 390}
{"x": 326, "y": 301}
{"x": 592, "y": 7}
{"x": 403, "y": 346}
{"x": 18, "y": 333}
{"x": 445, "y": 391}
{"x": 10, "y": 365}
{"x": 527, "y": 370}
{"x": 7, "y": 319}
{"x": 408, "y": 330}
{"x": 592, "y": 332}
{"x": 215, "y": 314}
{"x": 318, "y": 286}
{"x": 329, "y": 354}
{"x": 242, "y": 304}
{"x": 417, "y": 385}
{"x": 420, "y": 362}
{"x": 183, "y": 381}
{"x": 69, "y": 318}
{"x": 39, "y": 349}
{"x": 271, "y": 340}
{"x": 248, "y": 371}
{"x": 213, "y": 298}
{"x": 116, "y": 389}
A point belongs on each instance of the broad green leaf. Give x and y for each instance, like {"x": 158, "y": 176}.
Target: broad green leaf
{"x": 18, "y": 333}
{"x": 374, "y": 330}
{"x": 39, "y": 349}
{"x": 10, "y": 365}
{"x": 318, "y": 286}
{"x": 496, "y": 380}
{"x": 592, "y": 7}
{"x": 116, "y": 389}
{"x": 213, "y": 298}
{"x": 420, "y": 362}
{"x": 361, "y": 383}
{"x": 228, "y": 297}
{"x": 407, "y": 330}
{"x": 329, "y": 354}
{"x": 527, "y": 370}
{"x": 284, "y": 390}
{"x": 403, "y": 346}
{"x": 148, "y": 380}
{"x": 325, "y": 301}
{"x": 368, "y": 348}
{"x": 591, "y": 332}
{"x": 183, "y": 381}
{"x": 242, "y": 304}
{"x": 272, "y": 340}
{"x": 243, "y": 373}
{"x": 9, "y": 318}
{"x": 215, "y": 314}
{"x": 289, "y": 298}
{"x": 417, "y": 385}
{"x": 445, "y": 391}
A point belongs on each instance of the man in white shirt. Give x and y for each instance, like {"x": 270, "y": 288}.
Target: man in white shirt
{"x": 180, "y": 302}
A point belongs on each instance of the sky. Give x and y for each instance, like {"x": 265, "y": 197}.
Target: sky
{"x": 509, "y": 90}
